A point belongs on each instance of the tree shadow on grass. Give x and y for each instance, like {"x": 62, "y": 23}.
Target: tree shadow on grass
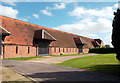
{"x": 107, "y": 69}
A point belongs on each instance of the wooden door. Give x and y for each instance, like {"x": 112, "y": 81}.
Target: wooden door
{"x": 80, "y": 48}
{"x": 43, "y": 49}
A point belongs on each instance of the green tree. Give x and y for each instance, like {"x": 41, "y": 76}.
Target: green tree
{"x": 107, "y": 46}
{"x": 116, "y": 33}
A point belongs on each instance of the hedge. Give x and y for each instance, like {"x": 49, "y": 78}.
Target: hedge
{"x": 101, "y": 50}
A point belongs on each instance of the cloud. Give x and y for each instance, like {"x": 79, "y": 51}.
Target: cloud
{"x": 8, "y": 11}
{"x": 102, "y": 25}
{"x": 23, "y": 19}
{"x": 92, "y": 23}
{"x": 56, "y": 6}
{"x": 115, "y": 6}
{"x": 81, "y": 12}
{"x": 59, "y": 6}
{"x": 46, "y": 12}
{"x": 92, "y": 29}
{"x": 10, "y": 2}
{"x": 36, "y": 15}
{"x": 11, "y": 12}
{"x": 93, "y": 35}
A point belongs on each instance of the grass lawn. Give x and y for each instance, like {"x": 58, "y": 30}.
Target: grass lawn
{"x": 25, "y": 58}
{"x": 105, "y": 63}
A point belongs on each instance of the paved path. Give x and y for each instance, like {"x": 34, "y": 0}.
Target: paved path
{"x": 47, "y": 72}
{"x": 60, "y": 59}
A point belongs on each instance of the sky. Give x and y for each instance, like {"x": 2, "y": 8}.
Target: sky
{"x": 89, "y": 19}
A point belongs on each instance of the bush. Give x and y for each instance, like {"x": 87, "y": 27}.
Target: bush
{"x": 106, "y": 46}
{"x": 101, "y": 50}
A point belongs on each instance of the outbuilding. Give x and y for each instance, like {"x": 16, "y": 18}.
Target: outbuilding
{"x": 23, "y": 39}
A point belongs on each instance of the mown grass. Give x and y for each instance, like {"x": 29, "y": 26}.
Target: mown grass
{"x": 105, "y": 63}
{"x": 25, "y": 58}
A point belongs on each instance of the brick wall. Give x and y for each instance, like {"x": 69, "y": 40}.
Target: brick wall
{"x": 11, "y": 51}
{"x": 86, "y": 50}
{"x": 58, "y": 51}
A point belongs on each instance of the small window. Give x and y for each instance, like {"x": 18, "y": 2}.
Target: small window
{"x": 28, "y": 50}
{"x": 16, "y": 49}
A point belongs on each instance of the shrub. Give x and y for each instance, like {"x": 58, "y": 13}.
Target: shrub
{"x": 101, "y": 50}
{"x": 106, "y": 46}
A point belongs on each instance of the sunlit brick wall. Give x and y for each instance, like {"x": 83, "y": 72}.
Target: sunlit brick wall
{"x": 11, "y": 51}
{"x": 59, "y": 51}
{"x": 86, "y": 50}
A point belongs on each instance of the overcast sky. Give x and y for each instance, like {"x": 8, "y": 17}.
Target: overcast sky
{"x": 90, "y": 19}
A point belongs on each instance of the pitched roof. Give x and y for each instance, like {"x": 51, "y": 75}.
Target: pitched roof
{"x": 42, "y": 34}
{"x": 23, "y": 33}
{"x": 79, "y": 40}
{"x": 95, "y": 43}
{"x": 3, "y": 31}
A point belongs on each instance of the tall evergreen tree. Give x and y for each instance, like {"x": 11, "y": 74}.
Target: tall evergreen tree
{"x": 116, "y": 33}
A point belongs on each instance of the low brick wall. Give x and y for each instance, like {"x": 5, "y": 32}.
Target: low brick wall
{"x": 12, "y": 51}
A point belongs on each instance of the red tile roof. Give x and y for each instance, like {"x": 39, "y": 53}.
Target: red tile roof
{"x": 22, "y": 33}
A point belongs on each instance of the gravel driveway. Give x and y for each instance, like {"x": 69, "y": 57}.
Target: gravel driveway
{"x": 59, "y": 59}
{"x": 47, "y": 72}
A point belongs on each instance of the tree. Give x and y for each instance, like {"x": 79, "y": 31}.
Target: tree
{"x": 116, "y": 33}
{"x": 106, "y": 46}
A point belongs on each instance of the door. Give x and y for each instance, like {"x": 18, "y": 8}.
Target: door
{"x": 80, "y": 48}
{"x": 43, "y": 49}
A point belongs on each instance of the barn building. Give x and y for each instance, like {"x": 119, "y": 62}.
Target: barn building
{"x": 23, "y": 39}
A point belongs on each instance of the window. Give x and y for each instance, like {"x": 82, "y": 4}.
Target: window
{"x": 16, "y": 49}
{"x": 28, "y": 50}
